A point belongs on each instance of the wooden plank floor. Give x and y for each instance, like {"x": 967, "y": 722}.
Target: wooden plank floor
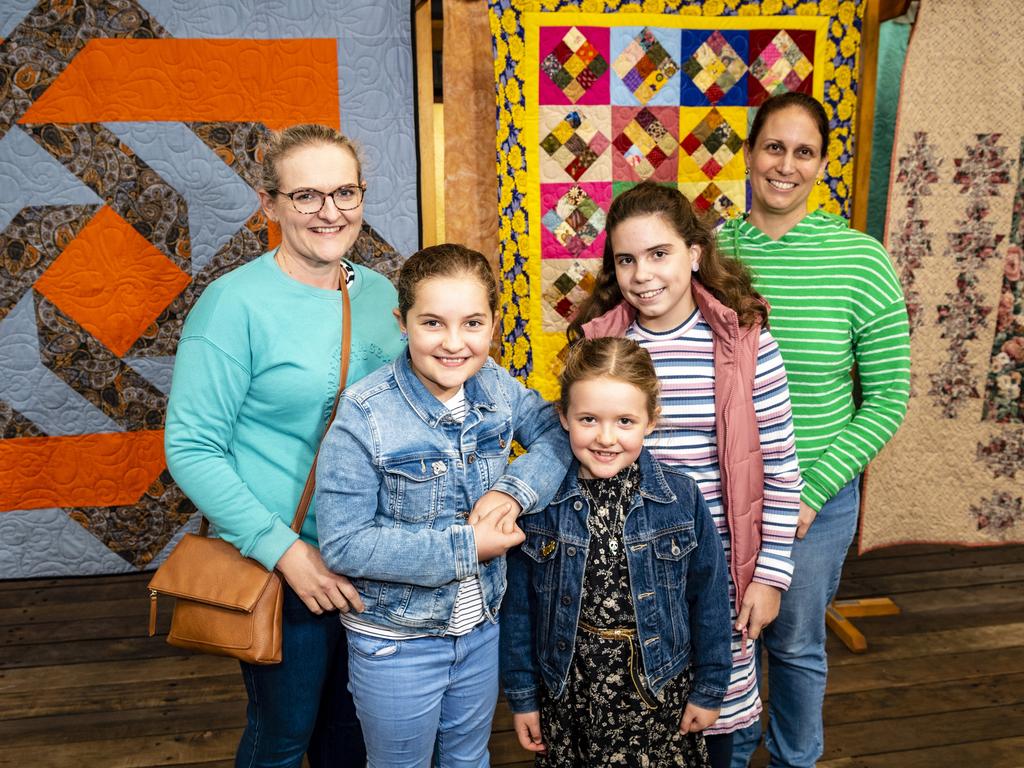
{"x": 81, "y": 686}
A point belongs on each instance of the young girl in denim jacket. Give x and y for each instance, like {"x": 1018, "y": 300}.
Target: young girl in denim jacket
{"x": 615, "y": 632}
{"x": 416, "y": 447}
{"x": 726, "y": 418}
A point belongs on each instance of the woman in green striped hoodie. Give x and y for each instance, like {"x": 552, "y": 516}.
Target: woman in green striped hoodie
{"x": 836, "y": 303}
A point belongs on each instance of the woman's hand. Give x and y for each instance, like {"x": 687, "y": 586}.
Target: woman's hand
{"x": 803, "y": 522}
{"x": 759, "y": 609}
{"x": 697, "y": 718}
{"x": 320, "y": 589}
{"x": 527, "y": 727}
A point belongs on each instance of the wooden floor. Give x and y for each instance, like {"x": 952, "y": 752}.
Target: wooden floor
{"x": 81, "y": 686}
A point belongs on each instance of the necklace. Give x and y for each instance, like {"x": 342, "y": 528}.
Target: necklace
{"x": 603, "y": 510}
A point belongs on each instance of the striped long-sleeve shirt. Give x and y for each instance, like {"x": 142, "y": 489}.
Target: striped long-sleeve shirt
{"x": 836, "y": 302}
{"x": 685, "y": 437}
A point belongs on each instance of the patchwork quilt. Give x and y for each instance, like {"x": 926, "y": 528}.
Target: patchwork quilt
{"x": 597, "y": 95}
{"x": 129, "y": 154}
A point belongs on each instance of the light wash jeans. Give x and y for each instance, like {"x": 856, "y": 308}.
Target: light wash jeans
{"x": 411, "y": 693}
{"x": 795, "y": 641}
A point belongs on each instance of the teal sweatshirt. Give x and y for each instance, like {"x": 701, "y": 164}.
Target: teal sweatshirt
{"x": 255, "y": 376}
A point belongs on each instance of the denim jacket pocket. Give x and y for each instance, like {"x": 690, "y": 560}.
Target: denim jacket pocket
{"x": 671, "y": 554}
{"x": 416, "y": 485}
{"x": 541, "y": 547}
{"x": 493, "y": 446}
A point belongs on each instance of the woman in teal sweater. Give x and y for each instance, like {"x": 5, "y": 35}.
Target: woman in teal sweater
{"x": 836, "y": 303}
{"x": 255, "y": 376}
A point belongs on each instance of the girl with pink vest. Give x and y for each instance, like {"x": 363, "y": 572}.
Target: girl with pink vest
{"x": 726, "y": 415}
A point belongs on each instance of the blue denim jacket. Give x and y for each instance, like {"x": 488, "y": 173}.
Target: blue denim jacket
{"x": 398, "y": 476}
{"x": 677, "y": 576}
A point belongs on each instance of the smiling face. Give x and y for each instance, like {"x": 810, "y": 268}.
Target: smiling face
{"x": 449, "y": 326}
{"x": 318, "y": 238}
{"x": 785, "y": 160}
{"x": 653, "y": 266}
{"x": 607, "y": 420}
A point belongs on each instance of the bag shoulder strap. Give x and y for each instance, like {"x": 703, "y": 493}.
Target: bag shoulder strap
{"x": 346, "y": 343}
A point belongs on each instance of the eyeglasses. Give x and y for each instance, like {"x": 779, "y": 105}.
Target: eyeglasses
{"x": 310, "y": 201}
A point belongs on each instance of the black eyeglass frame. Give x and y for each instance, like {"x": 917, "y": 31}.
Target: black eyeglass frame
{"x": 361, "y": 186}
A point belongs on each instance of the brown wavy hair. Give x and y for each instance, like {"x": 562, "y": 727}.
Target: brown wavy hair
{"x": 616, "y": 358}
{"x": 727, "y": 278}
{"x": 444, "y": 260}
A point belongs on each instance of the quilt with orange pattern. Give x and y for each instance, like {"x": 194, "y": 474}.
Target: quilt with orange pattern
{"x": 129, "y": 136}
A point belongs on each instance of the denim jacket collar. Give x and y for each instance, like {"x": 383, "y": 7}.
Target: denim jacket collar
{"x": 653, "y": 485}
{"x": 429, "y": 408}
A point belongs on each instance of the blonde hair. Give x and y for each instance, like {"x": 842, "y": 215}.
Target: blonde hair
{"x": 616, "y": 358}
{"x": 280, "y": 143}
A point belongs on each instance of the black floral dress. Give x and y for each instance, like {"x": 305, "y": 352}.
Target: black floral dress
{"x": 607, "y": 717}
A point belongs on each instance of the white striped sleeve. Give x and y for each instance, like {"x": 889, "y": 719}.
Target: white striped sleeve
{"x": 782, "y": 483}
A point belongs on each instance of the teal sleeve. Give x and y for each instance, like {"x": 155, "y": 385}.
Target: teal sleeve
{"x": 207, "y": 392}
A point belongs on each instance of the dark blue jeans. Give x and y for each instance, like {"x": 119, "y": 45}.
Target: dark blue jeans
{"x": 303, "y": 703}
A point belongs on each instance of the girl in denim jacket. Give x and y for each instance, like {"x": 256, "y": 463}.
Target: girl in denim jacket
{"x": 615, "y": 633}
{"x": 414, "y": 448}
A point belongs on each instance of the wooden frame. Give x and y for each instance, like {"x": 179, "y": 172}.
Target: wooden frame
{"x": 875, "y": 12}
{"x": 423, "y": 31}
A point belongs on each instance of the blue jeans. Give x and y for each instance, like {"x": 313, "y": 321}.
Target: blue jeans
{"x": 303, "y": 703}
{"x": 795, "y": 641}
{"x": 413, "y": 693}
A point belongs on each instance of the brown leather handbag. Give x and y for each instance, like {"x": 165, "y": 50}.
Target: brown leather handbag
{"x": 227, "y": 604}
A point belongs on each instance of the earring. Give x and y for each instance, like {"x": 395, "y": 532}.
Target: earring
{"x": 819, "y": 181}
{"x": 746, "y": 171}
{"x": 695, "y": 266}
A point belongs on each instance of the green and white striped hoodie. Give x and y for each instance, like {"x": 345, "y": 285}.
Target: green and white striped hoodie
{"x": 835, "y": 302}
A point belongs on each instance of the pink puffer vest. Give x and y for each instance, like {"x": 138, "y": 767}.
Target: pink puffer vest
{"x": 739, "y": 444}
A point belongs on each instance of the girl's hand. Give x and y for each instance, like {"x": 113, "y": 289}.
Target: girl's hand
{"x": 759, "y": 609}
{"x": 803, "y": 522}
{"x": 527, "y": 727}
{"x": 320, "y": 589}
{"x": 497, "y": 533}
{"x": 491, "y": 501}
{"x": 695, "y": 719}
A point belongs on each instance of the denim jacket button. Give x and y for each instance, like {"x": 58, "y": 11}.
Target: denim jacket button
{"x": 675, "y": 549}
{"x": 562, "y": 645}
{"x": 566, "y": 600}
{"x": 571, "y": 551}
{"x": 577, "y": 505}
{"x": 471, "y": 459}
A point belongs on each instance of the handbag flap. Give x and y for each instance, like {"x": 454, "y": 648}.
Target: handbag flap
{"x": 212, "y": 571}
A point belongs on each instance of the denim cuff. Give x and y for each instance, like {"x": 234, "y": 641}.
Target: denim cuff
{"x": 464, "y": 543}
{"x": 522, "y": 700}
{"x": 706, "y": 697}
{"x": 517, "y": 489}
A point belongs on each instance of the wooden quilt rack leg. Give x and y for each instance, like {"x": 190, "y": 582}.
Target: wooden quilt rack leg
{"x": 839, "y": 613}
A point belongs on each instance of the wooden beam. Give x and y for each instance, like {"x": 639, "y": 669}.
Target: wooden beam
{"x": 425, "y": 122}
{"x": 875, "y": 12}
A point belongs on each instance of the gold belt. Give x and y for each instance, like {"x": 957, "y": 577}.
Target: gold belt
{"x": 629, "y": 635}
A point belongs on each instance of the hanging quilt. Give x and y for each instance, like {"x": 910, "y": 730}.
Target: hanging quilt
{"x": 954, "y": 472}
{"x": 595, "y": 96}
{"x": 129, "y": 156}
